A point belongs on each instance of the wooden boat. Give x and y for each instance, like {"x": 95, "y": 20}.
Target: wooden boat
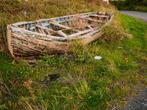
{"x": 51, "y": 36}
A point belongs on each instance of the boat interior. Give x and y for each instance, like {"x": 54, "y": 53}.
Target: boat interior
{"x": 66, "y": 26}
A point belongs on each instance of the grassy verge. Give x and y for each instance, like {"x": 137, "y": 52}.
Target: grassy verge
{"x": 84, "y": 83}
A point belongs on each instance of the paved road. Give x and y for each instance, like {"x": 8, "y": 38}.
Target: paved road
{"x": 140, "y": 15}
{"x": 139, "y": 102}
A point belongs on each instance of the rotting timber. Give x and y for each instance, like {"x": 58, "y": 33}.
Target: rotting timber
{"x": 54, "y": 35}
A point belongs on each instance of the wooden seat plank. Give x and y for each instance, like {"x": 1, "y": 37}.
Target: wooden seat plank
{"x": 100, "y": 16}
{"x": 60, "y": 25}
{"x": 89, "y": 19}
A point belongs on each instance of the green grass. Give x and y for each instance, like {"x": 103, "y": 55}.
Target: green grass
{"x": 84, "y": 83}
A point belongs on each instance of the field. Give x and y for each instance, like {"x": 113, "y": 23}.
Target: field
{"x": 77, "y": 81}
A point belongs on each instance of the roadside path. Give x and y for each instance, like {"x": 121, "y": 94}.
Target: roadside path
{"x": 137, "y": 14}
{"x": 139, "y": 102}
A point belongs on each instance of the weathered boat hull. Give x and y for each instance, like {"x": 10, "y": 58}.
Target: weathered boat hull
{"x": 25, "y": 43}
{"x": 20, "y": 46}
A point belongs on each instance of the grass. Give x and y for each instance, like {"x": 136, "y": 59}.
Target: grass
{"x": 19, "y": 10}
{"x": 84, "y": 83}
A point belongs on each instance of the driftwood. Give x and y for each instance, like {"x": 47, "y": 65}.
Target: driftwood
{"x": 51, "y": 36}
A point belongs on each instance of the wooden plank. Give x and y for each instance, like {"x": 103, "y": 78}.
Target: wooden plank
{"x": 41, "y": 36}
{"x": 35, "y": 41}
{"x": 89, "y": 27}
{"x": 62, "y": 33}
{"x": 81, "y": 32}
{"x": 62, "y": 26}
{"x": 26, "y": 47}
{"x": 89, "y": 19}
{"x": 92, "y": 38}
{"x": 35, "y": 44}
{"x": 42, "y": 30}
{"x": 46, "y": 29}
{"x": 100, "y": 16}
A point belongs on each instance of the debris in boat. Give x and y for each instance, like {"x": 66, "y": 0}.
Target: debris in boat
{"x": 54, "y": 35}
{"x": 97, "y": 57}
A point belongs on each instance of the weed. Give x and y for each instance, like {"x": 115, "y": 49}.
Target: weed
{"x": 114, "y": 32}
